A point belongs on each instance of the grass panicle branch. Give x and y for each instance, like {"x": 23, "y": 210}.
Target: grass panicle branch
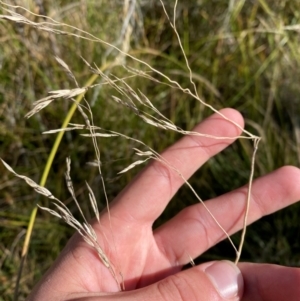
{"x": 84, "y": 229}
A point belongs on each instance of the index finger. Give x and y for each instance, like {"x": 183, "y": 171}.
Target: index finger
{"x": 146, "y": 197}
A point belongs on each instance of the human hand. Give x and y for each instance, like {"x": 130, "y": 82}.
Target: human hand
{"x": 151, "y": 261}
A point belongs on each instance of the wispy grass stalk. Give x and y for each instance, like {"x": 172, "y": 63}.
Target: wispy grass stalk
{"x": 131, "y": 96}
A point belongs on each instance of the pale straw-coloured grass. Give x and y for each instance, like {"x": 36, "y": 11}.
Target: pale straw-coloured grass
{"x": 137, "y": 102}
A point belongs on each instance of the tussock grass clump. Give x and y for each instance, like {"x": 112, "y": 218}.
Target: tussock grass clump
{"x": 242, "y": 55}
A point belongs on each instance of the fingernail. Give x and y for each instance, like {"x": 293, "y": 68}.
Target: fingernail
{"x": 226, "y": 278}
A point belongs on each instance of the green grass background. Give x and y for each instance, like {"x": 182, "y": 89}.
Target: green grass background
{"x": 243, "y": 56}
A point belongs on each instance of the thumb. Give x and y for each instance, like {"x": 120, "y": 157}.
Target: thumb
{"x": 212, "y": 281}
{"x": 217, "y": 280}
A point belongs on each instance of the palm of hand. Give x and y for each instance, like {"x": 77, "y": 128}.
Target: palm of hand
{"x": 137, "y": 258}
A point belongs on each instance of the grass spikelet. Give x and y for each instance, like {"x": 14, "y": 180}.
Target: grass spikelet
{"x": 44, "y": 102}
{"x": 39, "y": 189}
{"x": 93, "y": 202}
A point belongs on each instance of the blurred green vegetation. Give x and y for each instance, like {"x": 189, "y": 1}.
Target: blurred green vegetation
{"x": 244, "y": 54}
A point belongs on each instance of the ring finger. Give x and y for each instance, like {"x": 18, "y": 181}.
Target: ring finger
{"x": 193, "y": 230}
